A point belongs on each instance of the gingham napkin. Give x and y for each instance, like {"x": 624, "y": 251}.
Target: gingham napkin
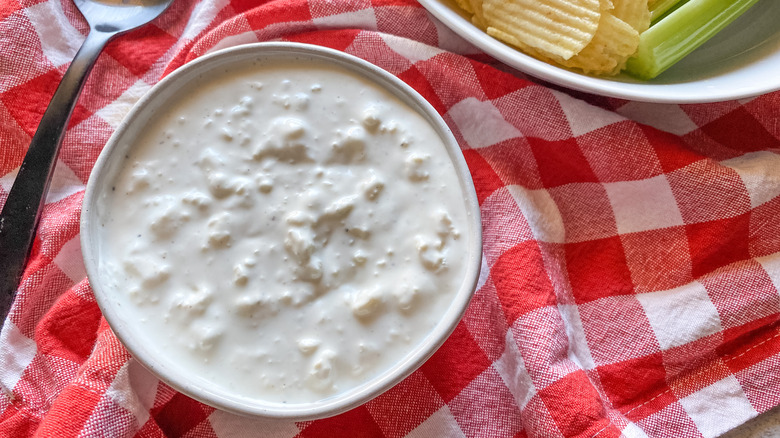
{"x": 631, "y": 268}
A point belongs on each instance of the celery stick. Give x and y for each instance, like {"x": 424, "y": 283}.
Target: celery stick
{"x": 680, "y": 32}
{"x": 659, "y": 7}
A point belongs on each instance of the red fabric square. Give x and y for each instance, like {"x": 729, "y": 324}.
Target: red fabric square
{"x": 138, "y": 50}
{"x": 455, "y": 364}
{"x": 357, "y": 422}
{"x": 339, "y": 39}
{"x": 620, "y": 318}
{"x": 586, "y": 211}
{"x": 561, "y": 162}
{"x": 620, "y": 152}
{"x": 414, "y": 78}
{"x": 670, "y": 149}
{"x": 514, "y": 163}
{"x": 706, "y": 190}
{"x": 405, "y": 406}
{"x": 8, "y": 7}
{"x": 743, "y": 292}
{"x": 718, "y": 243}
{"x": 575, "y": 405}
{"x": 180, "y": 415}
{"x": 598, "y": 269}
{"x": 751, "y": 135}
{"x": 28, "y": 101}
{"x": 658, "y": 259}
{"x": 14, "y": 140}
{"x": 16, "y": 422}
{"x": 496, "y": 84}
{"x": 633, "y": 382}
{"x": 747, "y": 345}
{"x": 486, "y": 181}
{"x": 763, "y": 109}
{"x": 274, "y": 12}
{"x": 521, "y": 281}
{"x": 69, "y": 328}
{"x": 69, "y": 413}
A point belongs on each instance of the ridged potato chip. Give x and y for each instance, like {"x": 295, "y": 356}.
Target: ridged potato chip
{"x": 554, "y": 28}
{"x": 614, "y": 42}
{"x": 465, "y": 5}
{"x": 479, "y": 18}
{"x": 634, "y": 12}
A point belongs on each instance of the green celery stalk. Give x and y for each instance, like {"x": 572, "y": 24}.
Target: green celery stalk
{"x": 660, "y": 7}
{"x": 680, "y": 32}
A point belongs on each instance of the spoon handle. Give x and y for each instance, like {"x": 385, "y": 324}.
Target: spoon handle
{"x": 25, "y": 201}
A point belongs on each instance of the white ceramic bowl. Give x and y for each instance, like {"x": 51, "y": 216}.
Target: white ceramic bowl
{"x": 743, "y": 60}
{"x": 109, "y": 164}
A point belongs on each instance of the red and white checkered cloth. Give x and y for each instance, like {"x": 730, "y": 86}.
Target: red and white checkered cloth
{"x": 631, "y": 259}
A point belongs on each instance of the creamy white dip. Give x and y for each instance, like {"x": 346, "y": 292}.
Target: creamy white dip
{"x": 287, "y": 232}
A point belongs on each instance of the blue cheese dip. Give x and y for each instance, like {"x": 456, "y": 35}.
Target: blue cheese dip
{"x": 287, "y": 231}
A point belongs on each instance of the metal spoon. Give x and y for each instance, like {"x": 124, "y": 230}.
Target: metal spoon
{"x": 22, "y": 209}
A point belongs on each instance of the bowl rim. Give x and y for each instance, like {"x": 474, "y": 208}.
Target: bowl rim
{"x": 664, "y": 93}
{"x": 338, "y": 403}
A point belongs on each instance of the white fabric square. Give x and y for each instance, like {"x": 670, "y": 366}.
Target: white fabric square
{"x": 227, "y": 425}
{"x": 584, "y": 117}
{"x": 719, "y": 407}
{"x": 441, "y": 423}
{"x": 69, "y": 260}
{"x": 201, "y": 17}
{"x": 116, "y": 111}
{"x": 680, "y": 315}
{"x": 771, "y": 265}
{"x": 579, "y": 352}
{"x": 511, "y": 368}
{"x": 665, "y": 117}
{"x": 481, "y": 123}
{"x": 59, "y": 40}
{"x": 634, "y": 431}
{"x": 411, "y": 50}
{"x": 643, "y": 205}
{"x": 134, "y": 389}
{"x": 541, "y": 212}
{"x": 248, "y": 37}
{"x": 364, "y": 19}
{"x": 63, "y": 183}
{"x": 17, "y": 351}
{"x": 758, "y": 170}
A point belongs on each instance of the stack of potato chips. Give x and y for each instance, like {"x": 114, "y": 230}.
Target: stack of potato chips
{"x": 595, "y": 36}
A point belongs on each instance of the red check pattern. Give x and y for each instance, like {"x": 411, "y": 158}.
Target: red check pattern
{"x": 631, "y": 258}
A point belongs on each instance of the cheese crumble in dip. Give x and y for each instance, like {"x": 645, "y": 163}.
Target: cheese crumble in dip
{"x": 286, "y": 231}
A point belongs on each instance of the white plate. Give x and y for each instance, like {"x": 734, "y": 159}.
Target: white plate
{"x": 741, "y": 61}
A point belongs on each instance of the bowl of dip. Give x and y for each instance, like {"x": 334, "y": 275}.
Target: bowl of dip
{"x": 281, "y": 230}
